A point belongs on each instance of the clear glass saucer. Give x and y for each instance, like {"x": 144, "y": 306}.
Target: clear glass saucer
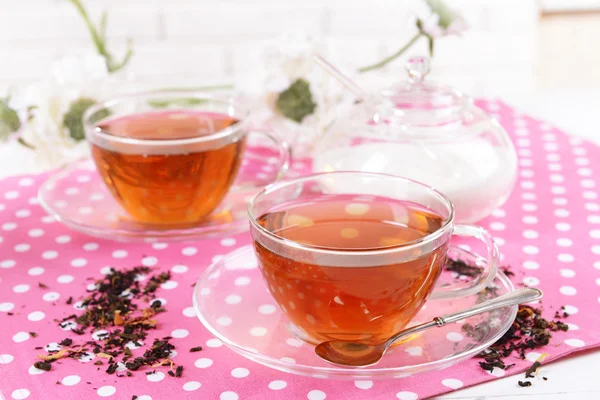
{"x": 232, "y": 302}
{"x": 77, "y": 197}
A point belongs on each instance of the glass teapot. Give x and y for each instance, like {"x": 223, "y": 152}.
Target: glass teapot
{"x": 430, "y": 133}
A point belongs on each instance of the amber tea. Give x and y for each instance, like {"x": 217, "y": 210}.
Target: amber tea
{"x": 360, "y": 300}
{"x": 182, "y": 185}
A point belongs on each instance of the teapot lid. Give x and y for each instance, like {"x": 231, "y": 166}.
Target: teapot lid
{"x": 420, "y": 102}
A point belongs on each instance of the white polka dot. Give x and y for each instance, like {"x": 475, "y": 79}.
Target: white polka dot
{"x": 228, "y": 242}
{"x": 559, "y": 201}
{"x": 233, "y": 299}
{"x": 96, "y": 197}
{"x": 567, "y": 258}
{"x": 191, "y": 386}
{"x": 205, "y": 291}
{"x": 48, "y": 219}
{"x": 36, "y": 232}
{"x": 528, "y": 196}
{"x": 189, "y": 312}
{"x": 65, "y": 279}
{"x": 528, "y": 184}
{"x": 51, "y": 296}
{"x": 169, "y": 285}
{"x": 532, "y": 356}
{"x": 529, "y": 207}
{"x": 144, "y": 397}
{"x": 277, "y": 385}
{"x": 63, "y": 239}
{"x": 6, "y": 358}
{"x": 587, "y": 183}
{"x": 357, "y": 208}
{"x": 575, "y": 342}
{"x": 242, "y": 281}
{"x": 239, "y": 372}
{"x": 106, "y": 391}
{"x": 119, "y": 254}
{"x": 85, "y": 210}
{"x": 589, "y": 195}
{"x": 71, "y": 191}
{"x": 561, "y": 213}
{"x": 35, "y": 371}
{"x": 288, "y": 360}
{"x": 568, "y": 290}
{"x": 497, "y": 226}
{"x": 79, "y": 262}
{"x": 499, "y": 213}
{"x": 9, "y": 226}
{"x": 21, "y": 288}
{"x": 22, "y": 247}
{"x": 189, "y": 251}
{"x": 530, "y": 234}
{"x": 497, "y": 372}
{"x": 156, "y": 376}
{"x": 572, "y": 327}
{"x": 571, "y": 310}
{"x": 567, "y": 273}
{"x": 20, "y": 337}
{"x": 11, "y": 195}
{"x": 159, "y": 246}
{"x": 454, "y": 336}
{"x": 49, "y": 255}
{"x": 258, "y": 331}
{"x": 526, "y": 173}
{"x": 452, "y": 383}
{"x": 530, "y": 219}
{"x": 179, "y": 333}
{"x": 224, "y": 321}
{"x": 531, "y": 281}
{"x": 363, "y": 384}
{"x": 558, "y": 189}
{"x": 20, "y": 394}
{"x": 311, "y": 319}
{"x": 149, "y": 261}
{"x": 26, "y": 182}
{"x": 407, "y": 396}
{"x": 71, "y": 380}
{"x": 267, "y": 309}
{"x": 23, "y": 213}
{"x": 564, "y": 242}
{"x": 36, "y": 316}
{"x": 179, "y": 269}
{"x": 203, "y": 363}
{"x": 91, "y": 246}
{"x": 229, "y": 395}
{"x": 6, "y": 307}
{"x": 530, "y": 249}
{"x": 596, "y": 249}
{"x": 8, "y": 263}
{"x": 563, "y": 227}
{"x": 294, "y": 342}
{"x": 214, "y": 343}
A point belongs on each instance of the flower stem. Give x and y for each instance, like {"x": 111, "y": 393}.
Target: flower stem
{"x": 393, "y": 56}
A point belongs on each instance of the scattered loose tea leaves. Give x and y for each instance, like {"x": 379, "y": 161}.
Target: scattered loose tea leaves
{"x": 462, "y": 268}
{"x": 42, "y": 286}
{"x": 196, "y": 349}
{"x": 43, "y": 365}
{"x": 524, "y": 384}
{"x": 532, "y": 371}
{"x": 112, "y": 306}
{"x": 33, "y": 334}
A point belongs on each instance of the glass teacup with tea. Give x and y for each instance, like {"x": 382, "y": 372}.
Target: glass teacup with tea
{"x": 355, "y": 255}
{"x": 170, "y": 157}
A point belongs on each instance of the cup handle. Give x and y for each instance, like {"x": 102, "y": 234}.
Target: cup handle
{"x": 490, "y": 268}
{"x": 284, "y": 155}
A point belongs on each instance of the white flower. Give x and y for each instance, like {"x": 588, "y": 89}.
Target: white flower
{"x": 283, "y": 61}
{"x": 443, "y": 20}
{"x": 70, "y": 79}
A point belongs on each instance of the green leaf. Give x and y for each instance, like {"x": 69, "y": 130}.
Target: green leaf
{"x": 445, "y": 13}
{"x": 73, "y": 119}
{"x": 9, "y": 120}
{"x": 296, "y": 101}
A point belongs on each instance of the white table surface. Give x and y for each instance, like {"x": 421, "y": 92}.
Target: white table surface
{"x": 575, "y": 111}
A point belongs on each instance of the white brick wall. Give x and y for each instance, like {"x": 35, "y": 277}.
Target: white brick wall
{"x": 201, "y": 40}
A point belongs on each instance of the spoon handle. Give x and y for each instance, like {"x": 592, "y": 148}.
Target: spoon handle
{"x": 524, "y": 295}
{"x": 520, "y": 296}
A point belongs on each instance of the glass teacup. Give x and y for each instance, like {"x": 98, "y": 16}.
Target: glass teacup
{"x": 355, "y": 255}
{"x": 170, "y": 157}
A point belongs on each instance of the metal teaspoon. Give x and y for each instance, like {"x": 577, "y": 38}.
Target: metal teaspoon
{"x": 355, "y": 354}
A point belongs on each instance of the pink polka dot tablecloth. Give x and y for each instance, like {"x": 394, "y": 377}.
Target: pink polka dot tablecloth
{"x": 548, "y": 232}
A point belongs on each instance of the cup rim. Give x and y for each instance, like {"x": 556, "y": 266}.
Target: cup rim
{"x": 93, "y": 132}
{"x": 448, "y": 223}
